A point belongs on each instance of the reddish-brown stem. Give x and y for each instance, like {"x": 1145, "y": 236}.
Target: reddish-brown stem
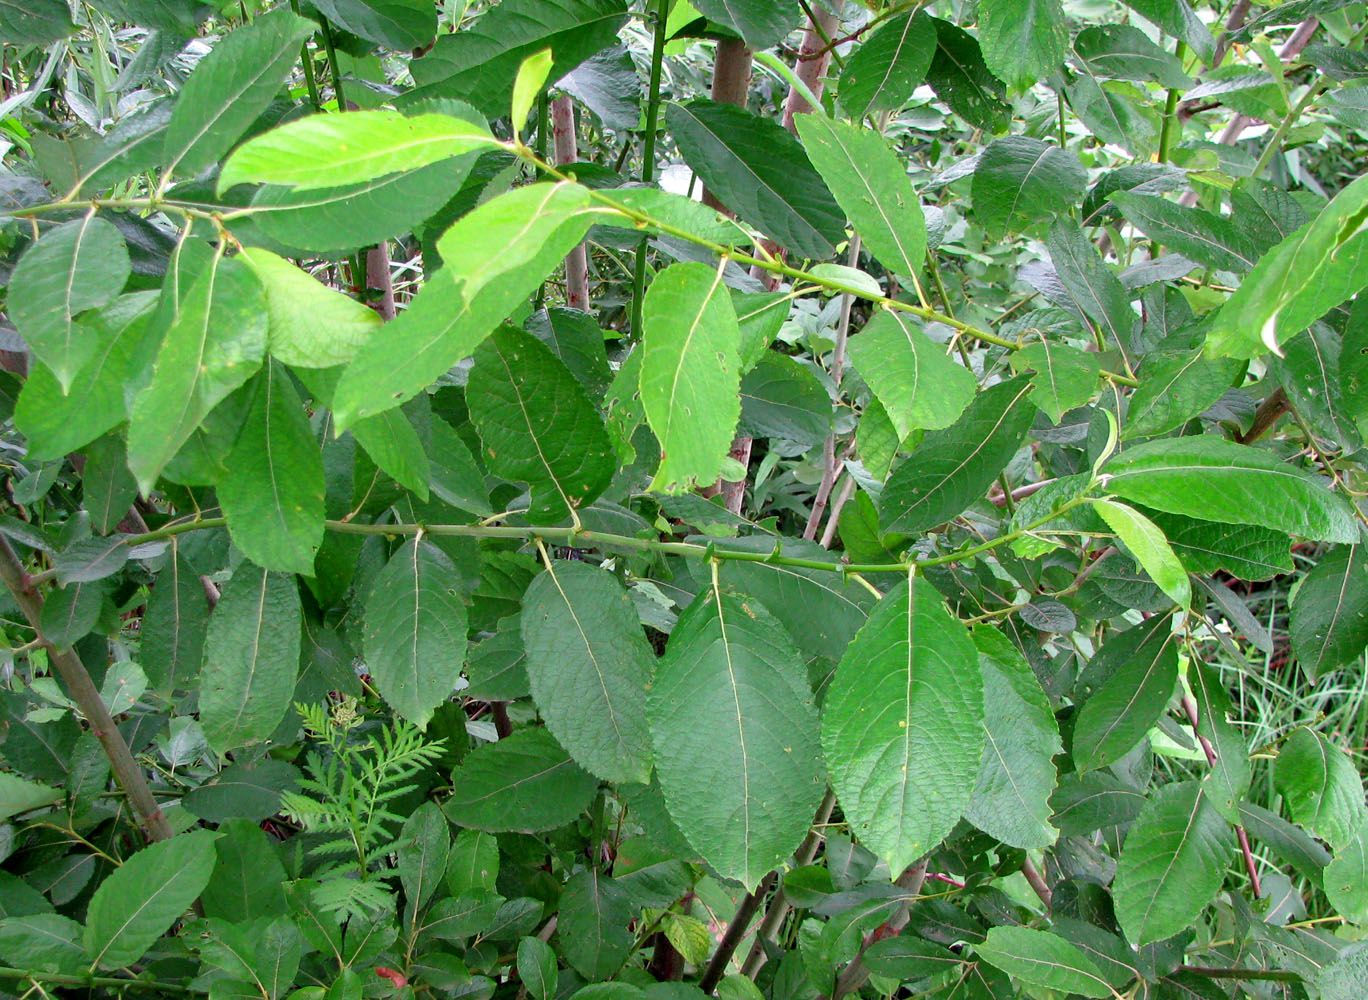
{"x": 814, "y": 56}
{"x": 735, "y": 931}
{"x": 1037, "y": 882}
{"x": 1251, "y": 869}
{"x": 379, "y": 279}
{"x": 567, "y": 151}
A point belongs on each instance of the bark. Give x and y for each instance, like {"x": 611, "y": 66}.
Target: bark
{"x": 567, "y": 151}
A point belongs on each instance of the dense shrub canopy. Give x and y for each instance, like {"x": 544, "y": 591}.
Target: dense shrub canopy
{"x": 646, "y": 500}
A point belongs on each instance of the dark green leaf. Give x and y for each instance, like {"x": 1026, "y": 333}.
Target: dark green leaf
{"x": 395, "y": 24}
{"x": 1174, "y": 388}
{"x": 902, "y": 725}
{"x": 1321, "y": 788}
{"x": 242, "y": 792}
{"x": 1227, "y": 779}
{"x": 537, "y": 968}
{"x": 1019, "y": 181}
{"x": 415, "y": 636}
{"x": 1202, "y": 236}
{"x": 961, "y": 79}
{"x": 593, "y": 927}
{"x": 1132, "y": 678}
{"x": 525, "y": 782}
{"x": 1040, "y": 958}
{"x": 1329, "y": 626}
{"x": 782, "y": 398}
{"x": 1096, "y": 291}
{"x": 759, "y": 171}
{"x": 1023, "y": 41}
{"x": 108, "y": 487}
{"x": 882, "y": 72}
{"x": 1309, "y": 371}
{"x": 1177, "y": 18}
{"x": 954, "y": 467}
{"x": 1124, "y": 52}
{"x": 762, "y": 23}
{"x": 35, "y": 22}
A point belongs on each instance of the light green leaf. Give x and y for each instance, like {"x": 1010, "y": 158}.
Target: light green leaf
{"x": 108, "y": 488}
{"x": 474, "y": 864}
{"x": 528, "y": 84}
{"x": 1299, "y": 280}
{"x": 251, "y": 658}
{"x": 1016, "y": 775}
{"x": 390, "y": 441}
{"x": 690, "y": 380}
{"x": 537, "y": 968}
{"x": 902, "y": 725}
{"x": 870, "y": 184}
{"x": 77, "y": 266}
{"x": 759, "y": 171}
{"x": 1346, "y": 879}
{"x": 562, "y": 452}
{"x": 524, "y": 783}
{"x": 1023, "y": 41}
{"x": 1065, "y": 376}
{"x": 1133, "y": 684}
{"x": 732, "y": 690}
{"x": 676, "y": 211}
{"x": 273, "y": 492}
{"x": 1329, "y": 626}
{"x": 589, "y": 666}
{"x": 952, "y": 468}
{"x": 1019, "y": 181}
{"x": 48, "y": 942}
{"x": 884, "y": 70}
{"x": 310, "y": 324}
{"x": 144, "y": 896}
{"x": 1149, "y": 547}
{"x": 215, "y": 342}
{"x": 1321, "y": 788}
{"x": 1039, "y": 958}
{"x": 230, "y": 88}
{"x": 762, "y": 23}
{"x": 1216, "y": 480}
{"x": 415, "y": 636}
{"x": 18, "y": 795}
{"x": 919, "y": 386}
{"x": 1172, "y": 863}
{"x": 1174, "y": 388}
{"x": 328, "y": 150}
{"x": 533, "y": 227}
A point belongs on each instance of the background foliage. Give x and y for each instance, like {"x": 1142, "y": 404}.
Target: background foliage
{"x": 445, "y": 557}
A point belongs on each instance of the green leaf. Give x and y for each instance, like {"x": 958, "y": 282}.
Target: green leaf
{"x": 230, "y": 88}
{"x": 1227, "y": 779}
{"x": 327, "y": 150}
{"x": 902, "y": 725}
{"x": 415, "y": 636}
{"x": 423, "y": 846}
{"x": 35, "y": 22}
{"x": 251, "y": 658}
{"x": 961, "y": 79}
{"x": 1172, "y": 863}
{"x": 474, "y": 864}
{"x": 1011, "y": 800}
{"x": 1216, "y": 480}
{"x": 1343, "y": 978}
{"x": 1177, "y": 18}
{"x": 1086, "y": 803}
{"x": 1204, "y": 237}
{"x": 1149, "y": 547}
{"x": 1090, "y": 283}
{"x": 1245, "y": 551}
{"x": 920, "y": 387}
{"x": 390, "y": 441}
{"x": 589, "y": 666}
{"x": 1135, "y": 682}
{"x": 18, "y": 795}
{"x": 462, "y": 303}
{"x": 144, "y": 896}
{"x": 731, "y": 689}
{"x": 952, "y": 468}
{"x": 1346, "y": 880}
{"x": 1321, "y": 788}
{"x": 108, "y": 487}
{"x": 1309, "y": 371}
{"x": 870, "y": 184}
{"x": 250, "y": 793}
{"x": 562, "y": 452}
{"x": 334, "y": 221}
{"x": 272, "y": 494}
{"x": 1329, "y": 626}
{"x": 395, "y": 24}
{"x": 70, "y": 613}
{"x": 524, "y": 783}
{"x": 173, "y": 627}
{"x": 1299, "y": 280}
{"x": 47, "y": 942}
{"x": 593, "y": 928}
{"x": 1065, "y": 376}
{"x": 1124, "y": 52}
{"x": 215, "y": 342}
{"x": 1039, "y": 958}
{"x": 759, "y": 171}
{"x": 884, "y": 70}
{"x": 528, "y": 84}
{"x": 690, "y": 379}
{"x": 80, "y": 265}
{"x": 1174, "y": 388}
{"x": 668, "y": 208}
{"x": 1023, "y": 41}
{"x": 55, "y": 424}
{"x": 537, "y": 968}
{"x": 762, "y": 23}
{"x": 782, "y": 398}
{"x": 1019, "y": 181}
{"x": 309, "y": 324}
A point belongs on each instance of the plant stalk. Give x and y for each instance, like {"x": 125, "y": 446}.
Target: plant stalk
{"x": 83, "y": 692}
{"x": 648, "y": 145}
